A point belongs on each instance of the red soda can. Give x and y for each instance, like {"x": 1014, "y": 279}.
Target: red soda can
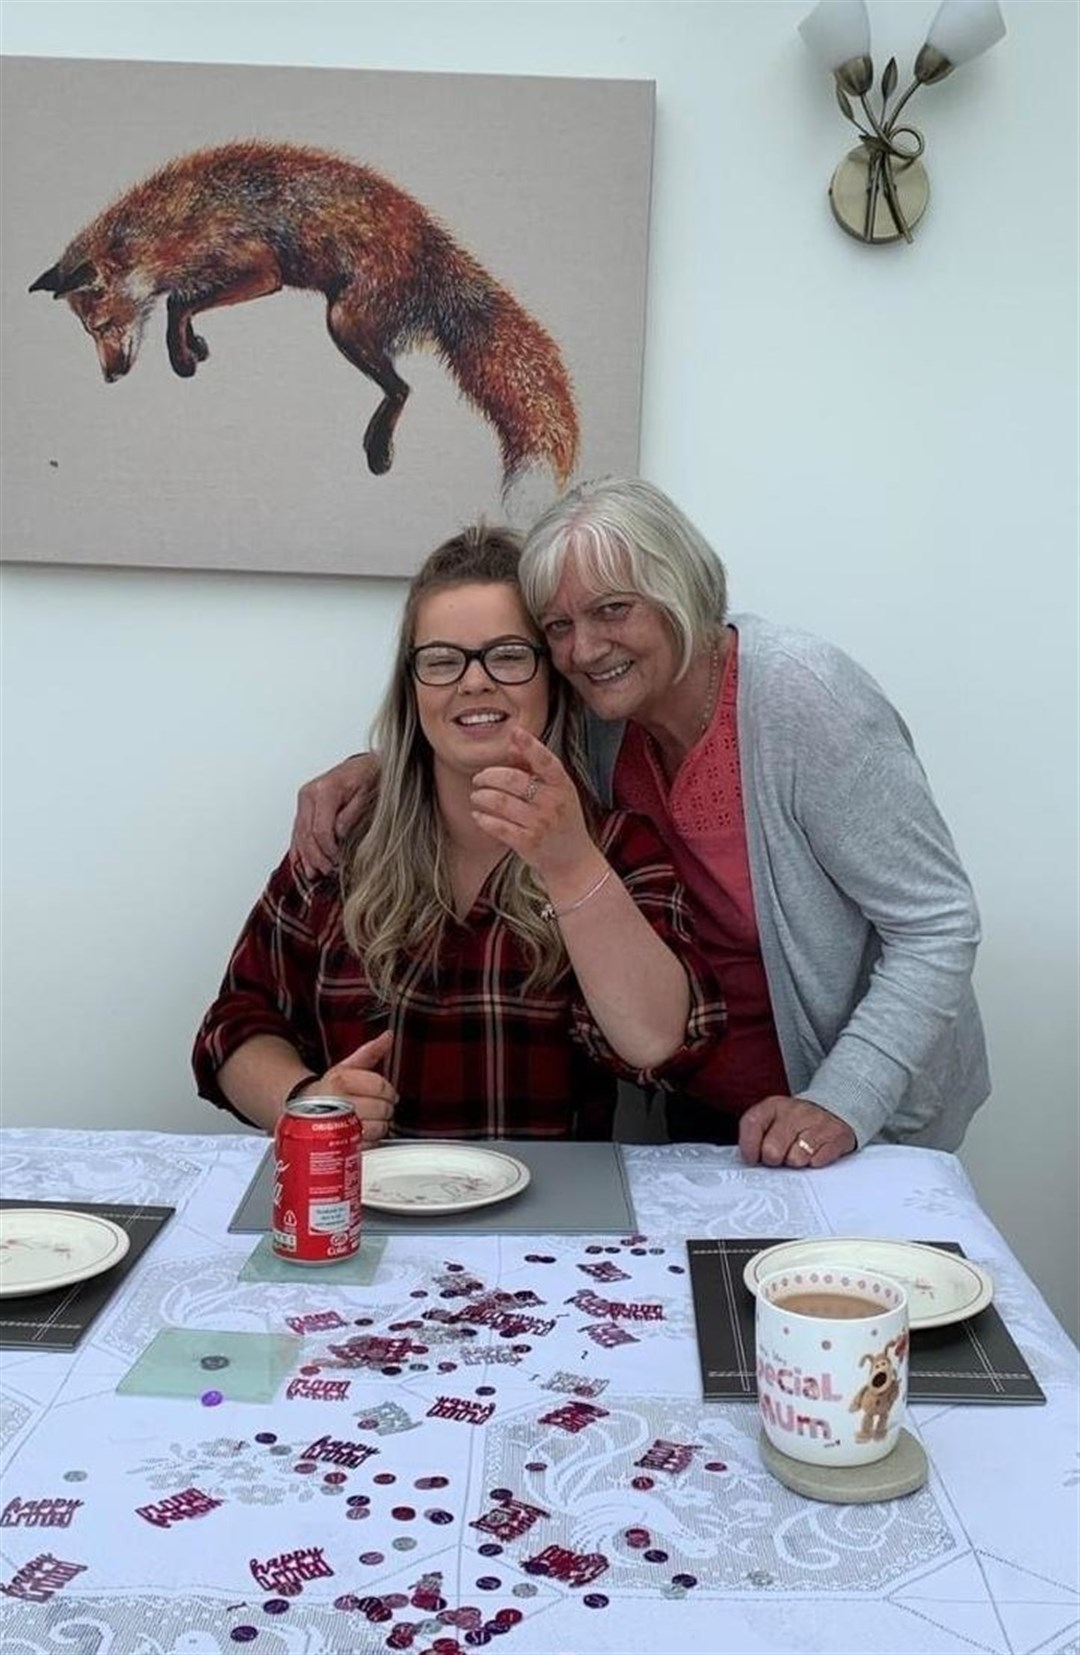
{"x": 317, "y": 1145}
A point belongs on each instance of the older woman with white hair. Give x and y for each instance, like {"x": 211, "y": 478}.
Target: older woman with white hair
{"x": 827, "y": 891}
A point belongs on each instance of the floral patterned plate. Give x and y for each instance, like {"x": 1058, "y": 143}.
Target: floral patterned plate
{"x": 42, "y": 1248}
{"x": 941, "y": 1287}
{"x": 435, "y": 1177}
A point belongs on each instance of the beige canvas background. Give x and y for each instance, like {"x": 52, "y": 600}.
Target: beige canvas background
{"x": 256, "y": 463}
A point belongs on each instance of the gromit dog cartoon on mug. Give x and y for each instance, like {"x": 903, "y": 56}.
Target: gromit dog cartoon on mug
{"x": 875, "y": 1400}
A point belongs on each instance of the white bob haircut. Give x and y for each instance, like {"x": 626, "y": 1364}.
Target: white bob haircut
{"x": 626, "y": 535}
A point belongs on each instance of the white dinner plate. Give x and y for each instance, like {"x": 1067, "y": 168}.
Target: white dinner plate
{"x": 438, "y": 1177}
{"x": 941, "y": 1287}
{"x": 42, "y": 1248}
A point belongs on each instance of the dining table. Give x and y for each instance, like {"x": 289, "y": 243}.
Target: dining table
{"x": 499, "y": 1438}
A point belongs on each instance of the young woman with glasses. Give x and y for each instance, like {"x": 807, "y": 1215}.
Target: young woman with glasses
{"x": 501, "y": 946}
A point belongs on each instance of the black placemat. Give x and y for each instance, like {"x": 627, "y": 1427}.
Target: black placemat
{"x": 58, "y": 1320}
{"x": 575, "y": 1188}
{"x": 971, "y": 1361}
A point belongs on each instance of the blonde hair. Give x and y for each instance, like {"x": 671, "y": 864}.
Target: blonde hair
{"x": 396, "y": 882}
{"x": 626, "y": 535}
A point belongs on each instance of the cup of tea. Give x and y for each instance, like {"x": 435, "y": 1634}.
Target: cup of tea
{"x": 832, "y": 1363}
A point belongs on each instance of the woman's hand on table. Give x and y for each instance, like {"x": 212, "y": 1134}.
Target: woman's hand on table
{"x": 371, "y": 1094}
{"x": 793, "y": 1132}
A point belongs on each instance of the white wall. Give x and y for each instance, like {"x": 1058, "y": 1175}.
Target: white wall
{"x": 881, "y": 442}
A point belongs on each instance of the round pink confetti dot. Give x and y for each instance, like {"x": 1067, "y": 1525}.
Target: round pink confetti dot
{"x": 642, "y": 1482}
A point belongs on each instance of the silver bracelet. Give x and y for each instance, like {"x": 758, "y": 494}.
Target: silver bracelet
{"x": 550, "y": 912}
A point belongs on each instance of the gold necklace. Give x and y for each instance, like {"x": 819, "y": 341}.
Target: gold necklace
{"x": 710, "y": 697}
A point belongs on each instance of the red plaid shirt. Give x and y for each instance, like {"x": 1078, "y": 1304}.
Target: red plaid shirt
{"x": 474, "y": 1055}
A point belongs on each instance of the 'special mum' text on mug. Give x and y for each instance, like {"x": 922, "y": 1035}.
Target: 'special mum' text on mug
{"x": 832, "y": 1363}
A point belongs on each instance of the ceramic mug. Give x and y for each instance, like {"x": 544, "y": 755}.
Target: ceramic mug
{"x": 832, "y": 1363}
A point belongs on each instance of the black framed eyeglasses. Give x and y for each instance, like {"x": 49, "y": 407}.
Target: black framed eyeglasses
{"x": 506, "y": 661}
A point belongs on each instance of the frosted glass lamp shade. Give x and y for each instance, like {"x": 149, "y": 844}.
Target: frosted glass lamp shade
{"x": 837, "y": 31}
{"x": 960, "y": 31}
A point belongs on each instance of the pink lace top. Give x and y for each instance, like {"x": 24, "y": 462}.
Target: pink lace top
{"x": 700, "y": 818}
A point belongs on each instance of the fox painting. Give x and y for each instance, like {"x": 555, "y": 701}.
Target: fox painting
{"x": 222, "y": 226}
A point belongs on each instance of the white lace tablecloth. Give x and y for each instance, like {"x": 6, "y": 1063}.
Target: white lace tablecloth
{"x": 552, "y": 1483}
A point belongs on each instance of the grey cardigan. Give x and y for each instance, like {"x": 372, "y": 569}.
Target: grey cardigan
{"x": 867, "y": 922}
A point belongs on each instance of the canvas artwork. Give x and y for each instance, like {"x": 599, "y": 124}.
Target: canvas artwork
{"x": 311, "y": 320}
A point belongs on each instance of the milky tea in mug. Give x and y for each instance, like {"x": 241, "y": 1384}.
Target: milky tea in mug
{"x": 832, "y": 1363}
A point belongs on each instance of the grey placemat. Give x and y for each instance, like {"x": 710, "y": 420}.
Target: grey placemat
{"x": 576, "y": 1188}
{"x": 58, "y": 1320}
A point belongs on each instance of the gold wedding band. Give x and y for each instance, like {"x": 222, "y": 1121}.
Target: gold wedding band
{"x": 532, "y": 789}
{"x": 802, "y": 1144}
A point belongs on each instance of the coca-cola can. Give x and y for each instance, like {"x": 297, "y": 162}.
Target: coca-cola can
{"x": 317, "y": 1145}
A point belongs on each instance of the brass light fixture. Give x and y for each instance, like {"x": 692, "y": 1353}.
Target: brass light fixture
{"x": 880, "y": 189}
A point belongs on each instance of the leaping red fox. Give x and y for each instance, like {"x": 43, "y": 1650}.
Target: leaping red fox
{"x": 221, "y": 226}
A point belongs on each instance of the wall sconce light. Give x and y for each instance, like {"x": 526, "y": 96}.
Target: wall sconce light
{"x": 880, "y": 190}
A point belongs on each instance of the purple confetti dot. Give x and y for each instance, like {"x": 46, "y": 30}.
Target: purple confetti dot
{"x": 334, "y": 1477}
{"x": 420, "y": 1350}
{"x": 347, "y": 1601}
{"x": 522, "y": 1350}
{"x": 363, "y": 1321}
{"x": 395, "y": 1600}
{"x": 418, "y": 1293}
{"x": 611, "y": 1249}
{"x": 367, "y": 1425}
{"x": 593, "y": 1247}
{"x": 638, "y": 1252}
{"x": 485, "y": 1390}
{"x": 490, "y": 1549}
{"x": 656, "y": 1249}
{"x": 533, "y": 1566}
{"x": 654, "y": 1555}
{"x": 358, "y": 1500}
{"x": 437, "y": 1515}
{"x": 447, "y": 1367}
{"x": 370, "y": 1558}
{"x": 391, "y": 1369}
{"x": 210, "y": 1399}
{"x": 536, "y": 1465}
{"x": 455, "y": 1267}
{"x": 715, "y": 1465}
{"x": 677, "y": 1269}
{"x": 305, "y": 1467}
{"x": 243, "y": 1634}
{"x": 684, "y": 1580}
{"x": 384, "y": 1477}
{"x": 311, "y": 1367}
{"x": 431, "y": 1482}
{"x": 502, "y": 1494}
{"x": 277, "y": 1606}
{"x": 403, "y": 1514}
{"x": 642, "y": 1482}
{"x": 496, "y": 1628}
{"x": 265, "y": 1436}
{"x": 477, "y": 1639}
{"x": 595, "y": 1600}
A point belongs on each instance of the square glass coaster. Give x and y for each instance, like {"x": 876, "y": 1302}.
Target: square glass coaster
{"x": 197, "y": 1362}
{"x": 263, "y": 1264}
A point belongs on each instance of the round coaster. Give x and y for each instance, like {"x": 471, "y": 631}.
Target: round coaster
{"x": 901, "y": 1472}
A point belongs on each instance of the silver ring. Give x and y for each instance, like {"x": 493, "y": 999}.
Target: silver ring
{"x": 532, "y": 789}
{"x": 808, "y": 1149}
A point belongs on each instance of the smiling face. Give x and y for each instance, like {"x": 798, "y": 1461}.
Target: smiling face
{"x": 468, "y": 724}
{"x": 616, "y": 648}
